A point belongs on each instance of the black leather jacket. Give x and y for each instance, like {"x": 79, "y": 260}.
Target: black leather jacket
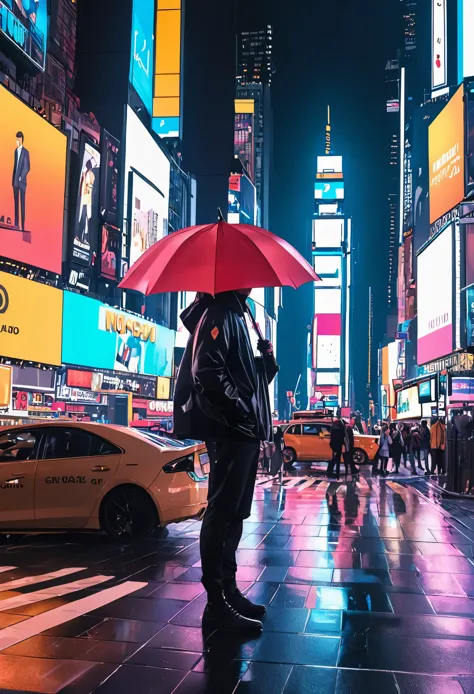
{"x": 222, "y": 388}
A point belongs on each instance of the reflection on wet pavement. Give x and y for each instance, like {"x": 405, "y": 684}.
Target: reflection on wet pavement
{"x": 369, "y": 585}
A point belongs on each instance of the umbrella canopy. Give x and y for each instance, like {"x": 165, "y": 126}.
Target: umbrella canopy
{"x": 217, "y": 258}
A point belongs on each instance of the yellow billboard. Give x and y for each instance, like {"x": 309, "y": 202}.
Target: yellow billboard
{"x": 167, "y": 82}
{"x": 30, "y": 320}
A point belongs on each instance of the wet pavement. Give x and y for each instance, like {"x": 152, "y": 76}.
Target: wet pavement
{"x": 369, "y": 585}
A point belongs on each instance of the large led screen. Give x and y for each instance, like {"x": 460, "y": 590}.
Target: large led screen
{"x": 149, "y": 217}
{"x": 87, "y": 212}
{"x": 328, "y": 352}
{"x": 408, "y": 405}
{"x": 438, "y": 44}
{"x": 446, "y": 157}
{"x": 329, "y": 190}
{"x": 102, "y": 337}
{"x": 328, "y": 233}
{"x": 30, "y": 320}
{"x": 142, "y": 54}
{"x": 247, "y": 201}
{"x": 329, "y": 164}
{"x": 109, "y": 177}
{"x": 25, "y": 23}
{"x": 465, "y": 42}
{"x": 111, "y": 243}
{"x": 329, "y": 269}
{"x": 143, "y": 155}
{"x": 32, "y": 181}
{"x": 244, "y": 141}
{"x": 327, "y": 301}
{"x": 435, "y": 298}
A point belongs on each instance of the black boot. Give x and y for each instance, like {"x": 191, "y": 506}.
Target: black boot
{"x": 242, "y": 604}
{"x": 221, "y": 615}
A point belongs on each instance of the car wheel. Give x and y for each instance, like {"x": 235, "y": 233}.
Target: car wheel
{"x": 127, "y": 513}
{"x": 360, "y": 457}
{"x": 289, "y": 457}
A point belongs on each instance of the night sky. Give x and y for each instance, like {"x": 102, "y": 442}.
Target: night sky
{"x": 323, "y": 54}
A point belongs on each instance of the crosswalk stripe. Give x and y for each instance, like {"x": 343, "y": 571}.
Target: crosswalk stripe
{"x": 54, "y": 592}
{"x": 4, "y": 569}
{"x": 42, "y": 578}
{"x": 17, "y": 633}
{"x": 309, "y": 482}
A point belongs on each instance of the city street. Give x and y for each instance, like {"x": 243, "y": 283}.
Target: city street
{"x": 368, "y": 583}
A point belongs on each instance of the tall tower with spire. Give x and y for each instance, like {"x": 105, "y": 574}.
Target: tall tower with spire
{"x": 329, "y": 378}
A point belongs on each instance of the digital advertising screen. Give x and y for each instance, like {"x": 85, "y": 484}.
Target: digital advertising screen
{"x": 32, "y": 186}
{"x": 142, "y": 50}
{"x": 462, "y": 389}
{"x": 143, "y": 156}
{"x": 109, "y": 177}
{"x": 244, "y": 141}
{"x": 328, "y": 233}
{"x": 87, "y": 211}
{"x": 233, "y": 199}
{"x": 408, "y": 406}
{"x": 99, "y": 336}
{"x": 427, "y": 391}
{"x": 328, "y": 352}
{"x": 149, "y": 217}
{"x": 247, "y": 201}
{"x": 329, "y": 190}
{"x": 329, "y": 164}
{"x": 435, "y": 298}
{"x": 328, "y": 378}
{"x": 439, "y": 73}
{"x": 167, "y": 82}
{"x": 329, "y": 269}
{"x": 30, "y": 320}
{"x": 446, "y": 157}
{"x": 328, "y": 208}
{"x": 327, "y": 301}
{"x": 25, "y": 24}
{"x": 111, "y": 243}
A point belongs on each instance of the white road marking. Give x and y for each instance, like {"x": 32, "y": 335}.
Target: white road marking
{"x": 31, "y": 580}
{"x": 3, "y": 569}
{"x": 308, "y": 483}
{"x": 54, "y": 592}
{"x": 60, "y": 615}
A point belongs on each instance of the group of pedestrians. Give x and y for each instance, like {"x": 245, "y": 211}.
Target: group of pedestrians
{"x": 342, "y": 446}
{"x": 415, "y": 445}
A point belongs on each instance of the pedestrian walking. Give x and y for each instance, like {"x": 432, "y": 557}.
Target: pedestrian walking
{"x": 415, "y": 442}
{"x": 384, "y": 450}
{"x": 396, "y": 448}
{"x": 438, "y": 446}
{"x": 406, "y": 439}
{"x": 349, "y": 450}
{"x": 425, "y": 446}
{"x": 337, "y": 444}
{"x": 222, "y": 397}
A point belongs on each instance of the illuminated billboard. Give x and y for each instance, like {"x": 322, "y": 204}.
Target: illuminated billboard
{"x": 25, "y": 24}
{"x": 85, "y": 241}
{"x": 144, "y": 156}
{"x": 446, "y": 157}
{"x": 111, "y": 243}
{"x": 329, "y": 190}
{"x": 408, "y": 405}
{"x": 329, "y": 269}
{"x": 435, "y": 298}
{"x": 107, "y": 338}
{"x": 141, "y": 58}
{"x": 328, "y": 208}
{"x": 439, "y": 75}
{"x": 30, "y": 320}
{"x": 244, "y": 140}
{"x": 148, "y": 216}
{"x": 328, "y": 352}
{"x": 109, "y": 177}
{"x": 327, "y": 300}
{"x": 328, "y": 233}
{"x": 167, "y": 81}
{"x": 32, "y": 186}
{"x": 329, "y": 164}
{"x": 465, "y": 42}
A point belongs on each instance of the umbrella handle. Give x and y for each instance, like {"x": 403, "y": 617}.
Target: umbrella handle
{"x": 256, "y": 327}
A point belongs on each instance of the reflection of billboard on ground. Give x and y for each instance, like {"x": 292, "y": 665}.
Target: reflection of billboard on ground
{"x": 141, "y": 58}
{"x": 25, "y": 23}
{"x": 148, "y": 222}
{"x": 32, "y": 186}
{"x": 329, "y": 190}
{"x": 87, "y": 211}
{"x": 446, "y": 157}
{"x": 435, "y": 298}
{"x": 328, "y": 233}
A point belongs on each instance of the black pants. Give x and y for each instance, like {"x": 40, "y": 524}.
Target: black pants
{"x": 20, "y": 197}
{"x": 396, "y": 458}
{"x": 437, "y": 461}
{"x": 349, "y": 462}
{"x": 231, "y": 486}
{"x": 335, "y": 461}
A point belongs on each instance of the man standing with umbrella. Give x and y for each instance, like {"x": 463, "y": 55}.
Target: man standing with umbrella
{"x": 222, "y": 397}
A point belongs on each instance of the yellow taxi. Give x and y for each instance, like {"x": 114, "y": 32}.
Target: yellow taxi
{"x": 71, "y": 475}
{"x": 307, "y": 440}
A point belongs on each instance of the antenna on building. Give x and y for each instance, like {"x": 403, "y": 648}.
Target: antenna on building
{"x": 328, "y": 132}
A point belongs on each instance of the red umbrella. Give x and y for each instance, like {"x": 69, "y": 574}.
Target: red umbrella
{"x": 216, "y": 258}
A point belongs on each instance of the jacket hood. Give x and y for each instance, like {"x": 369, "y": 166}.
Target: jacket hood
{"x": 191, "y": 316}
